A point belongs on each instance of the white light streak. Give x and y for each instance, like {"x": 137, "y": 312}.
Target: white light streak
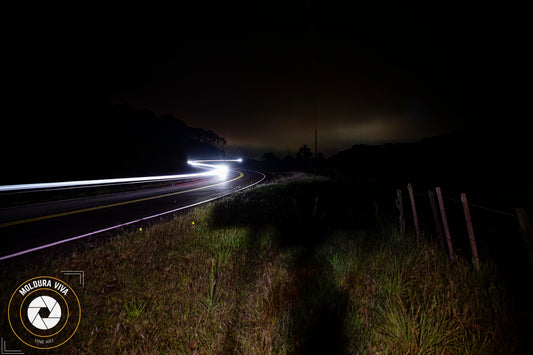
{"x": 5, "y": 257}
{"x": 211, "y": 170}
{"x": 220, "y": 170}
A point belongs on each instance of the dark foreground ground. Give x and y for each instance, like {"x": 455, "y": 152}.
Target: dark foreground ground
{"x": 297, "y": 265}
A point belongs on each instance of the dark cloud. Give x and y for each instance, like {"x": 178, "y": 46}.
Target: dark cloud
{"x": 251, "y": 71}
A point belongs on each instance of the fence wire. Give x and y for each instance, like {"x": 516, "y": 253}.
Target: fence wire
{"x": 496, "y": 231}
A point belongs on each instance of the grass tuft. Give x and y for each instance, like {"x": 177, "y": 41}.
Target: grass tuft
{"x": 135, "y": 309}
{"x": 276, "y": 269}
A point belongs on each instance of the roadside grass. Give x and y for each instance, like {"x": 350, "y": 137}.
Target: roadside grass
{"x": 286, "y": 267}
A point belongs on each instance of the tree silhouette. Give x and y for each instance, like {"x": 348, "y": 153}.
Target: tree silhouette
{"x": 304, "y": 156}
{"x": 83, "y": 138}
{"x": 304, "y": 153}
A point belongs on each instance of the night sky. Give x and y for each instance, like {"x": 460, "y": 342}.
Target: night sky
{"x": 250, "y": 71}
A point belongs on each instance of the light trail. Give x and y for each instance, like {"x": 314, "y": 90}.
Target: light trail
{"x": 106, "y": 229}
{"x": 220, "y": 170}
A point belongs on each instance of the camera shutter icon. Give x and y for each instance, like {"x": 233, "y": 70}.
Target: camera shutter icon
{"x": 44, "y": 312}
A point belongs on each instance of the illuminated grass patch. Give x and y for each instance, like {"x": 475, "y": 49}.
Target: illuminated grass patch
{"x": 271, "y": 270}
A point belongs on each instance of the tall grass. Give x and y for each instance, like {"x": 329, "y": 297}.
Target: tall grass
{"x": 271, "y": 270}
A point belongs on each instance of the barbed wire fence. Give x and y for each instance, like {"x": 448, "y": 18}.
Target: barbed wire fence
{"x": 461, "y": 227}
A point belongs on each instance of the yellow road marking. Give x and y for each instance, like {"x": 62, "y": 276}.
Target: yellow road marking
{"x": 12, "y": 223}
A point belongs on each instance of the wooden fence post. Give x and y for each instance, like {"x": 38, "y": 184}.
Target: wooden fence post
{"x": 378, "y": 218}
{"x": 470, "y": 230}
{"x": 527, "y": 233}
{"x": 415, "y": 217}
{"x": 400, "y": 207}
{"x": 445, "y": 224}
{"x": 438, "y": 225}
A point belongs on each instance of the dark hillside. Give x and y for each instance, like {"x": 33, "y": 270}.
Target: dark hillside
{"x": 490, "y": 162}
{"x": 82, "y": 138}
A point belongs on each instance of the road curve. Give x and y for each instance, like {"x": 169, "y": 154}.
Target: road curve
{"x": 24, "y": 229}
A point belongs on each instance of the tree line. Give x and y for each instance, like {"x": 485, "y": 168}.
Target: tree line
{"x": 75, "y": 140}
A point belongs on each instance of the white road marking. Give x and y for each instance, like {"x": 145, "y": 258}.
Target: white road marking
{"x": 123, "y": 224}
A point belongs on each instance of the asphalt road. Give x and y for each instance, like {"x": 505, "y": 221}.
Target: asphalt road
{"x": 24, "y": 229}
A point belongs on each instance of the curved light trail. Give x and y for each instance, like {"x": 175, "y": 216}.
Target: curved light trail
{"x": 212, "y": 167}
{"x": 36, "y": 227}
